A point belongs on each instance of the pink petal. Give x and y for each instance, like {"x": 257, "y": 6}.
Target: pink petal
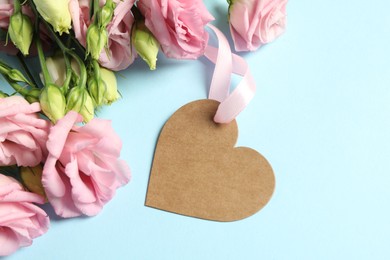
{"x": 81, "y": 192}
{"x": 51, "y": 180}
{"x": 59, "y": 132}
{"x": 9, "y": 242}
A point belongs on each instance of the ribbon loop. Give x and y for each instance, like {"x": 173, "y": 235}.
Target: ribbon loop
{"x": 227, "y": 63}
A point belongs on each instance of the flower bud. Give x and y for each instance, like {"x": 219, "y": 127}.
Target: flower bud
{"x": 33, "y": 95}
{"x": 109, "y": 79}
{"x": 17, "y": 76}
{"x": 52, "y": 102}
{"x": 79, "y": 100}
{"x": 88, "y": 111}
{"x": 145, "y": 44}
{"x": 106, "y": 13}
{"x": 96, "y": 90}
{"x": 20, "y": 31}
{"x": 32, "y": 179}
{"x": 56, "y": 13}
{"x": 103, "y": 90}
{"x": 97, "y": 39}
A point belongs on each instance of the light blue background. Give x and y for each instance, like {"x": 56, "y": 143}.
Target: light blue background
{"x": 320, "y": 116}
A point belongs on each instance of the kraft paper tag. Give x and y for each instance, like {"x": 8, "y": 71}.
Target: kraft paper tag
{"x": 198, "y": 172}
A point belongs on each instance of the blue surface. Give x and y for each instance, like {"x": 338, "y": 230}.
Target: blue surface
{"x": 320, "y": 116}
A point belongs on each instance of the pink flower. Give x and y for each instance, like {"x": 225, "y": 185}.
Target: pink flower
{"x": 256, "y": 22}
{"x": 120, "y": 52}
{"x": 178, "y": 25}
{"x": 20, "y": 220}
{"x": 82, "y": 170}
{"x": 23, "y": 134}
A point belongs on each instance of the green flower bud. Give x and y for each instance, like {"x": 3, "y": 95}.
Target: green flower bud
{"x": 106, "y": 13}
{"x": 79, "y": 100}
{"x": 97, "y": 39}
{"x": 53, "y": 103}
{"x": 55, "y": 13}
{"x": 33, "y": 95}
{"x": 145, "y": 44}
{"x": 20, "y": 31}
{"x": 104, "y": 91}
{"x": 111, "y": 88}
{"x": 96, "y": 90}
{"x": 17, "y": 76}
{"x": 32, "y": 179}
{"x": 88, "y": 110}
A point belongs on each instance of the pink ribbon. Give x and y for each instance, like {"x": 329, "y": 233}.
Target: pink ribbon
{"x": 227, "y": 63}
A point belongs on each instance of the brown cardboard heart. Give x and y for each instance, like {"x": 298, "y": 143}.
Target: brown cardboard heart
{"x": 197, "y": 171}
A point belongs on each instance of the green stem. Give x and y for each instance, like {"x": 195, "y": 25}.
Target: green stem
{"x": 68, "y": 73}
{"x": 3, "y": 69}
{"x": 96, "y": 10}
{"x": 17, "y": 87}
{"x": 83, "y": 70}
{"x": 17, "y": 6}
{"x": 42, "y": 61}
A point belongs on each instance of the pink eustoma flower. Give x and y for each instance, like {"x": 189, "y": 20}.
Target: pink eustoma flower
{"x": 23, "y": 134}
{"x": 120, "y": 52}
{"x": 178, "y": 25}
{"x": 256, "y": 22}
{"x": 20, "y": 219}
{"x": 82, "y": 171}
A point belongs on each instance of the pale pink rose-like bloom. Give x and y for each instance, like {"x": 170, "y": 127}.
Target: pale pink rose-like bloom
{"x": 20, "y": 220}
{"x": 120, "y": 52}
{"x": 178, "y": 25}
{"x": 82, "y": 171}
{"x": 23, "y": 134}
{"x": 256, "y": 22}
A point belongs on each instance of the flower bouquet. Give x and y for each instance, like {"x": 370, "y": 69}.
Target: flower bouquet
{"x": 52, "y": 147}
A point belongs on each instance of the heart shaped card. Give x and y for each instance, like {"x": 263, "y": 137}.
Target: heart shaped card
{"x": 197, "y": 171}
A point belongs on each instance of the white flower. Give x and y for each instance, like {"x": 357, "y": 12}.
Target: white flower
{"x": 56, "y": 13}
